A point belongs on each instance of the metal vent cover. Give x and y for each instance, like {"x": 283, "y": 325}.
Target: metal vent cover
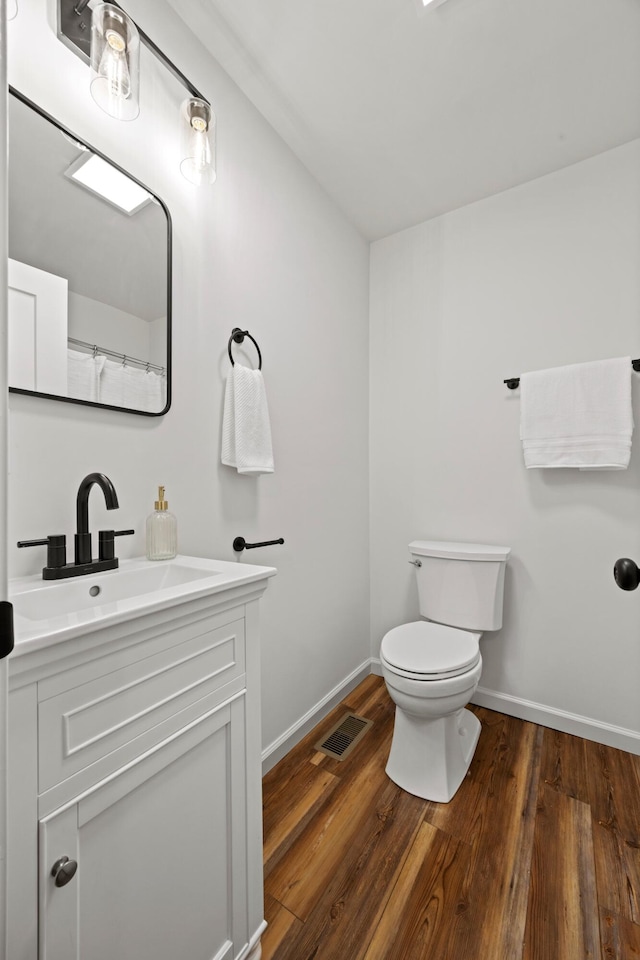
{"x": 344, "y": 737}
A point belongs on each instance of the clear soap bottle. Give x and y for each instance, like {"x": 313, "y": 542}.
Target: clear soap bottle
{"x": 162, "y": 531}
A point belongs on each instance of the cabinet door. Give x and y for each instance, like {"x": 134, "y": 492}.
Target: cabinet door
{"x": 161, "y": 854}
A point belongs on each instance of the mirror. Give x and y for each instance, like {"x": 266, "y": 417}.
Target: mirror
{"x": 89, "y": 277}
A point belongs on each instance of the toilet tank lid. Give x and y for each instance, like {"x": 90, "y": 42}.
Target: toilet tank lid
{"x": 459, "y": 551}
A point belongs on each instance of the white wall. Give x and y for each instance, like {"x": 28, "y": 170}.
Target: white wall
{"x": 266, "y": 249}
{"x": 542, "y": 275}
{"x": 100, "y": 323}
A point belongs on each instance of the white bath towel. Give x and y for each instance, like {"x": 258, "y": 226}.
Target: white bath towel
{"x": 578, "y": 416}
{"x": 246, "y": 429}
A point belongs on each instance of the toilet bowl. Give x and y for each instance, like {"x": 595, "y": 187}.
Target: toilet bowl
{"x": 434, "y": 737}
{"x": 432, "y": 669}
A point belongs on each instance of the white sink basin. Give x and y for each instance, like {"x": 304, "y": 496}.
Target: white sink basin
{"x": 45, "y": 600}
{"x": 46, "y": 610}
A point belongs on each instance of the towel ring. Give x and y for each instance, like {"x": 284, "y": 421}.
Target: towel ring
{"x": 238, "y": 335}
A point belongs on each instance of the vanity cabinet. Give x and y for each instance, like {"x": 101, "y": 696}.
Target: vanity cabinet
{"x": 135, "y": 753}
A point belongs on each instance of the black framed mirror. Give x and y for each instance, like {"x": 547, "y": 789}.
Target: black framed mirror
{"x": 89, "y": 273}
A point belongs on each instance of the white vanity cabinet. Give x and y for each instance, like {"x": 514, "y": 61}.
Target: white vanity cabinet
{"x": 135, "y": 753}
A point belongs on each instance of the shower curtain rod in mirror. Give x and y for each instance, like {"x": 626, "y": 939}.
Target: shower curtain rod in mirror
{"x": 117, "y": 356}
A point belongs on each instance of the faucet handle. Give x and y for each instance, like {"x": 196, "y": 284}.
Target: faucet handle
{"x": 106, "y": 546}
{"x": 56, "y": 545}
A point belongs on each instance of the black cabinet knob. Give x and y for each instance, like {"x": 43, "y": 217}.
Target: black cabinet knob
{"x": 63, "y": 871}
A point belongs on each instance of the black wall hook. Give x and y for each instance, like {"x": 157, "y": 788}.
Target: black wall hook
{"x": 237, "y": 336}
{"x": 626, "y": 573}
{"x": 240, "y": 544}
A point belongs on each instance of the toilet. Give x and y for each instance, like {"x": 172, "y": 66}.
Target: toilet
{"x": 432, "y": 667}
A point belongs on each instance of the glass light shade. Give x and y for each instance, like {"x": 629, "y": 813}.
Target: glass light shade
{"x": 115, "y": 62}
{"x": 197, "y": 141}
{"x": 11, "y": 9}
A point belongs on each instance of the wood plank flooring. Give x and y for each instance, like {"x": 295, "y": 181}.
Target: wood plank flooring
{"x": 537, "y": 857}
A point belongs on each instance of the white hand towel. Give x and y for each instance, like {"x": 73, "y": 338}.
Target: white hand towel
{"x": 246, "y": 430}
{"x": 578, "y": 416}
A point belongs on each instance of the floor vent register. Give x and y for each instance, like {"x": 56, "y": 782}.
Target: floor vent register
{"x": 344, "y": 737}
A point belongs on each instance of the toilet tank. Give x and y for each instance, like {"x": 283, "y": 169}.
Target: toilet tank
{"x": 461, "y": 584}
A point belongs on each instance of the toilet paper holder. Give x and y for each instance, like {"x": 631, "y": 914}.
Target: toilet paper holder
{"x": 240, "y": 544}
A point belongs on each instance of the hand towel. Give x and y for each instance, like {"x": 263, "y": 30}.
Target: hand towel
{"x": 578, "y": 416}
{"x": 246, "y": 429}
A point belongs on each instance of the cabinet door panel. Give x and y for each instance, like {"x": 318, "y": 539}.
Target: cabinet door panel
{"x": 155, "y": 852}
{"x": 91, "y": 721}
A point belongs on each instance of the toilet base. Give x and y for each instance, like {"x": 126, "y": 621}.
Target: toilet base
{"x": 430, "y": 757}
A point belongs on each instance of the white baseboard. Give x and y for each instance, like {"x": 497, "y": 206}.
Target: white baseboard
{"x": 281, "y": 746}
{"x": 586, "y": 727}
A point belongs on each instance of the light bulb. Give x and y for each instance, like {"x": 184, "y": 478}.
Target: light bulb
{"x": 115, "y": 62}
{"x": 197, "y": 164}
{"x": 194, "y": 167}
{"x": 114, "y": 68}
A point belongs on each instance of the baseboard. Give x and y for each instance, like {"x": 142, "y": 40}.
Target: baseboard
{"x": 586, "y": 727}
{"x": 376, "y": 666}
{"x": 281, "y": 746}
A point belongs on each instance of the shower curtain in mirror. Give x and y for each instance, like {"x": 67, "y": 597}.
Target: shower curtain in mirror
{"x": 121, "y": 385}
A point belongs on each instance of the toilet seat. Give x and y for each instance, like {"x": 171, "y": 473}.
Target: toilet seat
{"x": 430, "y": 651}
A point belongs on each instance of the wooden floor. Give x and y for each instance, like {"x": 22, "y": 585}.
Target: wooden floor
{"x": 537, "y": 857}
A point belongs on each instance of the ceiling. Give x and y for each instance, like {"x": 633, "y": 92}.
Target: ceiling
{"x": 403, "y": 113}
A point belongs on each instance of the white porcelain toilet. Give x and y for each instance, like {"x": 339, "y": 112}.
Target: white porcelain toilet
{"x": 432, "y": 667}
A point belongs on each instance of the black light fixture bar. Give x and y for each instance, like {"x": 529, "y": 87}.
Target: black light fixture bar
{"x": 74, "y": 30}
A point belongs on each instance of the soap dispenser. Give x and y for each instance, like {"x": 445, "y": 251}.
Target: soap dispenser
{"x": 162, "y": 531}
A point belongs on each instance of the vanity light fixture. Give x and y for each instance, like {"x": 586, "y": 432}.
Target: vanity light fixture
{"x": 11, "y": 10}
{"x": 107, "y": 39}
{"x": 196, "y": 125}
{"x": 106, "y": 181}
{"x": 115, "y": 62}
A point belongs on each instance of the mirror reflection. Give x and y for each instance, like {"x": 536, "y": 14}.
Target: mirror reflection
{"x": 89, "y": 273}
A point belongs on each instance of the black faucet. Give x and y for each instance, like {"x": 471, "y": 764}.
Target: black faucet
{"x": 57, "y": 567}
{"x": 82, "y": 540}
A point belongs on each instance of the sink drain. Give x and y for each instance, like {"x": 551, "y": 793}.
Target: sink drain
{"x": 95, "y": 591}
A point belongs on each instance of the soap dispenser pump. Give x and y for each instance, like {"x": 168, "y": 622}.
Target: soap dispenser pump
{"x": 162, "y": 531}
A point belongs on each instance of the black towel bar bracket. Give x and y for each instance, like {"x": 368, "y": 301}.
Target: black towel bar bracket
{"x": 514, "y": 382}
{"x": 237, "y": 336}
{"x": 240, "y": 544}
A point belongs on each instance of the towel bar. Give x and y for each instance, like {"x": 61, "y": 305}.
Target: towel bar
{"x": 237, "y": 336}
{"x": 514, "y": 382}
